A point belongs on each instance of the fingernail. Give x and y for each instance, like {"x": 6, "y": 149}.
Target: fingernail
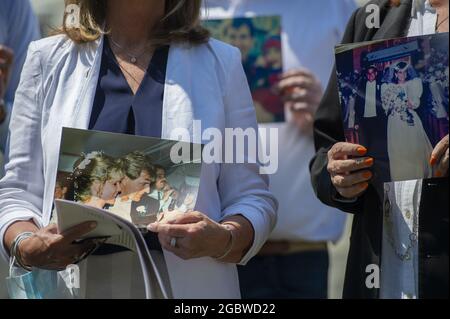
{"x": 151, "y": 227}
{"x": 438, "y": 174}
{"x": 369, "y": 161}
{"x": 367, "y": 175}
{"x": 433, "y": 160}
{"x": 93, "y": 225}
{"x": 362, "y": 150}
{"x": 364, "y": 185}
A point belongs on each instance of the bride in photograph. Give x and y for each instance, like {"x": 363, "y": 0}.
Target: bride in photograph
{"x": 96, "y": 180}
{"x": 409, "y": 148}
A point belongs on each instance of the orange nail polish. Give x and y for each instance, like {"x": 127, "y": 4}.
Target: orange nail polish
{"x": 362, "y": 150}
{"x": 438, "y": 174}
{"x": 369, "y": 161}
{"x": 367, "y": 175}
{"x": 364, "y": 185}
{"x": 433, "y": 160}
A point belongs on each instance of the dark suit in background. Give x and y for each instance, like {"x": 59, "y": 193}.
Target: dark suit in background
{"x": 365, "y": 242}
{"x": 140, "y": 217}
{"x": 372, "y": 130}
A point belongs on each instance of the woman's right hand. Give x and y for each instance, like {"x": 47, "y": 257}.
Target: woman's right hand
{"x": 49, "y": 250}
{"x": 349, "y": 169}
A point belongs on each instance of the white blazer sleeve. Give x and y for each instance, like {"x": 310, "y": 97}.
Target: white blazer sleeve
{"x": 243, "y": 190}
{"x": 22, "y": 188}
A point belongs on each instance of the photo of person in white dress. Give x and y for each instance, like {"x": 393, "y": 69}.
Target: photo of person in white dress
{"x": 96, "y": 179}
{"x": 409, "y": 147}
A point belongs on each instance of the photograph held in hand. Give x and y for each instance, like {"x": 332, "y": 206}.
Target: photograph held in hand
{"x": 394, "y": 98}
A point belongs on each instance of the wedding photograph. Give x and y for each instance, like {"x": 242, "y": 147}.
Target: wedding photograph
{"x": 132, "y": 177}
{"x": 394, "y": 97}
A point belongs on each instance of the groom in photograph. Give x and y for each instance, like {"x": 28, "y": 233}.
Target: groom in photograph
{"x": 133, "y": 200}
{"x": 372, "y": 121}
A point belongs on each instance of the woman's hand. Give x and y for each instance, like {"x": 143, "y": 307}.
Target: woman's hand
{"x": 349, "y": 175}
{"x": 439, "y": 158}
{"x": 49, "y": 250}
{"x": 196, "y": 235}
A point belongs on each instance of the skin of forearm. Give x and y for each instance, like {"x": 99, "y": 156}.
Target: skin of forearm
{"x": 17, "y": 228}
{"x": 243, "y": 234}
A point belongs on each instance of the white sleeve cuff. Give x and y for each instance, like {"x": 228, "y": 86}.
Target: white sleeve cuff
{"x": 261, "y": 227}
{"x": 7, "y": 220}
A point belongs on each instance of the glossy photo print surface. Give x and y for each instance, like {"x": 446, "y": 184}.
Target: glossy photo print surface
{"x": 259, "y": 40}
{"x": 394, "y": 97}
{"x": 133, "y": 177}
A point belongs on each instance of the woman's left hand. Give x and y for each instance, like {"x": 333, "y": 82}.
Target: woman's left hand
{"x": 195, "y": 235}
{"x": 439, "y": 158}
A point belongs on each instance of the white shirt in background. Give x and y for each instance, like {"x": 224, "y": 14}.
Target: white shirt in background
{"x": 311, "y": 29}
{"x": 424, "y": 18}
{"x": 370, "y": 109}
{"x": 122, "y": 208}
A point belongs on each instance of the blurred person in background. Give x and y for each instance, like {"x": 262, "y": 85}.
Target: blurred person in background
{"x": 18, "y": 27}
{"x": 294, "y": 262}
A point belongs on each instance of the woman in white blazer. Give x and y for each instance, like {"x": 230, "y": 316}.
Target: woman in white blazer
{"x": 204, "y": 81}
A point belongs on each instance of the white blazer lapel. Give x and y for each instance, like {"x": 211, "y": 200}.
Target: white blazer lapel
{"x": 84, "y": 105}
{"x": 184, "y": 101}
{"x": 74, "y": 114}
{"x": 177, "y": 105}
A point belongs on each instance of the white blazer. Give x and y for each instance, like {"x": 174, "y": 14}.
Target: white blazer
{"x": 204, "y": 82}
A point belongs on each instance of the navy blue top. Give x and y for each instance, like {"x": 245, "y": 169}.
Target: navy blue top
{"x": 116, "y": 109}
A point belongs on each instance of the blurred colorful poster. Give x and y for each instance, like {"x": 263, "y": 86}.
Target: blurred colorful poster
{"x": 259, "y": 40}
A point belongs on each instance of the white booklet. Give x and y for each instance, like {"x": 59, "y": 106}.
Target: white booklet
{"x": 119, "y": 232}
